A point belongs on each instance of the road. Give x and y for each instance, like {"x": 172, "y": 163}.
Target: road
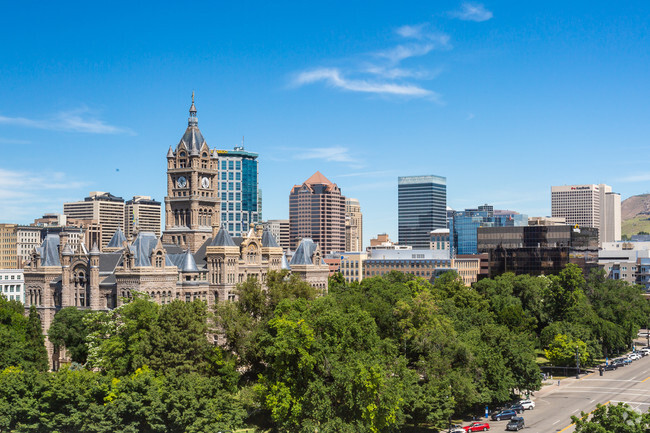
{"x": 556, "y": 403}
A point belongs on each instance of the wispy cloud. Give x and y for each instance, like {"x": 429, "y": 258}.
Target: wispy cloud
{"x": 13, "y": 141}
{"x": 472, "y": 12}
{"x": 330, "y": 154}
{"x": 27, "y": 195}
{"x": 80, "y": 120}
{"x": 335, "y": 78}
{"x": 641, "y": 177}
{"x": 380, "y": 72}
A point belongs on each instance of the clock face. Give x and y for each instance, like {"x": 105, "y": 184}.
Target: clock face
{"x": 205, "y": 183}
{"x": 181, "y": 182}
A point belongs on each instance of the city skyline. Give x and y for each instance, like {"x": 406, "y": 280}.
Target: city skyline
{"x": 483, "y": 94}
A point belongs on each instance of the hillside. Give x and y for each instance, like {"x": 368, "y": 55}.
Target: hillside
{"x": 635, "y": 215}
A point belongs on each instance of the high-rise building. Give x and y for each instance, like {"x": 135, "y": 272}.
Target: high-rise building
{"x": 8, "y": 253}
{"x": 27, "y": 238}
{"x": 238, "y": 189}
{"x": 101, "y": 207}
{"x": 353, "y": 225}
{"x": 141, "y": 214}
{"x": 422, "y": 208}
{"x": 589, "y": 206}
{"x": 192, "y": 201}
{"x": 280, "y": 231}
{"x": 463, "y": 226}
{"x": 317, "y": 211}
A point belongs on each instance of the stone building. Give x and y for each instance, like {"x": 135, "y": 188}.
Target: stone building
{"x": 193, "y": 259}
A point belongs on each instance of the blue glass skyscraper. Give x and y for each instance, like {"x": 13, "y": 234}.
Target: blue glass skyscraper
{"x": 463, "y": 225}
{"x": 238, "y": 189}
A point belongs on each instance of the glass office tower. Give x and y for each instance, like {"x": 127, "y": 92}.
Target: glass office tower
{"x": 422, "y": 207}
{"x": 238, "y": 188}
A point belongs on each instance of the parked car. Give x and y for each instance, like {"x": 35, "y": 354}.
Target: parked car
{"x": 645, "y": 351}
{"x": 633, "y": 356}
{"x": 610, "y": 366}
{"x": 528, "y": 404}
{"x": 456, "y": 429}
{"x": 517, "y": 407}
{"x": 516, "y": 424}
{"x": 477, "y": 426}
{"x": 504, "y": 414}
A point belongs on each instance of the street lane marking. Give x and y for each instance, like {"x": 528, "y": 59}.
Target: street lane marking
{"x": 645, "y": 379}
{"x": 603, "y": 392}
{"x": 556, "y": 422}
{"x": 632, "y": 402}
{"x": 570, "y": 425}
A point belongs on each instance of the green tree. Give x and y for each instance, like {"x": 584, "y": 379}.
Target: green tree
{"x": 619, "y": 418}
{"x": 69, "y": 330}
{"x": 34, "y": 352}
{"x": 563, "y": 351}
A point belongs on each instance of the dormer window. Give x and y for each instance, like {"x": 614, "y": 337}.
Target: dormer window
{"x": 182, "y": 154}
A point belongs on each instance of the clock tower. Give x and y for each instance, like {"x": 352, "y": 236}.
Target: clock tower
{"x": 192, "y": 201}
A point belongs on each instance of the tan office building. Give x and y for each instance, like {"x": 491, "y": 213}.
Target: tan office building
{"x": 589, "y": 206}
{"x": 141, "y": 214}
{"x": 280, "y": 231}
{"x": 8, "y": 253}
{"x": 101, "y": 207}
{"x": 27, "y": 238}
{"x": 353, "y": 225}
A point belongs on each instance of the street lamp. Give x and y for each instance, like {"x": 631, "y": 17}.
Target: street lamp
{"x": 577, "y": 362}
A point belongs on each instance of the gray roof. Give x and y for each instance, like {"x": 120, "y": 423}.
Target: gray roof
{"x": 172, "y": 249}
{"x": 108, "y": 262}
{"x": 193, "y": 139}
{"x": 222, "y": 239}
{"x": 268, "y": 240}
{"x": 142, "y": 247}
{"x": 117, "y": 240}
{"x": 188, "y": 264}
{"x": 49, "y": 250}
{"x": 67, "y": 251}
{"x": 285, "y": 263}
{"x": 200, "y": 254}
{"x": 303, "y": 253}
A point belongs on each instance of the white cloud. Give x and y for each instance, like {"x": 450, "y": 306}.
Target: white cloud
{"x": 472, "y": 12}
{"x": 334, "y": 78}
{"x": 331, "y": 154}
{"x": 415, "y": 32}
{"x": 26, "y": 195}
{"x": 642, "y": 177}
{"x": 73, "y": 121}
{"x": 13, "y": 141}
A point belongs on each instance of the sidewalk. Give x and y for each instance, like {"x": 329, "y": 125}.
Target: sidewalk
{"x": 550, "y": 386}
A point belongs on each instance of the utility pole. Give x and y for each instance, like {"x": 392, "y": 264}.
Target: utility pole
{"x": 577, "y": 362}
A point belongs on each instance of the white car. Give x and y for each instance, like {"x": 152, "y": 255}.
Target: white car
{"x": 527, "y": 404}
{"x": 633, "y": 356}
{"x": 645, "y": 351}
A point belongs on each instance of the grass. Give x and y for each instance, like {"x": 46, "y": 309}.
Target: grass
{"x": 640, "y": 223}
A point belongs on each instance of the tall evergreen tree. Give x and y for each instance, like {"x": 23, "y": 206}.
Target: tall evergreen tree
{"x": 34, "y": 352}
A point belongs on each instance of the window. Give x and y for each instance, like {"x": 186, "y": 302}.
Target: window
{"x": 224, "y": 175}
{"x": 230, "y": 196}
{"x": 230, "y": 206}
{"x": 238, "y": 186}
{"x": 223, "y": 206}
{"x": 238, "y": 165}
{"x": 223, "y": 196}
{"x": 231, "y": 166}
{"x": 230, "y": 186}
{"x": 230, "y": 175}
{"x": 223, "y": 165}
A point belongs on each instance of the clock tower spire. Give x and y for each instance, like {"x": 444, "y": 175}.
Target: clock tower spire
{"x": 192, "y": 201}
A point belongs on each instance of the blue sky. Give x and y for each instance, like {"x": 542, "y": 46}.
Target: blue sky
{"x": 505, "y": 99}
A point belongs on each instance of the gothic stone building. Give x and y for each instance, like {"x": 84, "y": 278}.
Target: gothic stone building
{"x": 193, "y": 259}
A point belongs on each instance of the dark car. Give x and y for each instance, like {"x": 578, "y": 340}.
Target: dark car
{"x": 504, "y": 414}
{"x": 517, "y": 407}
{"x": 610, "y": 366}
{"x": 516, "y": 424}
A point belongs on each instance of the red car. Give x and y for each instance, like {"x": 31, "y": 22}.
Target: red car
{"x": 477, "y": 426}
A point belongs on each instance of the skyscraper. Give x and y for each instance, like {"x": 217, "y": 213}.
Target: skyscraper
{"x": 317, "y": 211}
{"x": 141, "y": 214}
{"x": 101, "y": 207}
{"x": 589, "y": 206}
{"x": 353, "y": 225}
{"x": 238, "y": 189}
{"x": 422, "y": 207}
{"x": 280, "y": 231}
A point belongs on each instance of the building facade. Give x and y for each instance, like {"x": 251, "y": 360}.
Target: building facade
{"x": 141, "y": 214}
{"x": 100, "y": 207}
{"x": 353, "y": 225}
{"x": 463, "y": 226}
{"x": 422, "y": 207}
{"x": 27, "y": 238}
{"x": 589, "y": 206}
{"x": 238, "y": 186}
{"x": 8, "y": 251}
{"x": 317, "y": 212}
{"x": 280, "y": 231}
{"x": 12, "y": 284}
{"x": 538, "y": 250}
